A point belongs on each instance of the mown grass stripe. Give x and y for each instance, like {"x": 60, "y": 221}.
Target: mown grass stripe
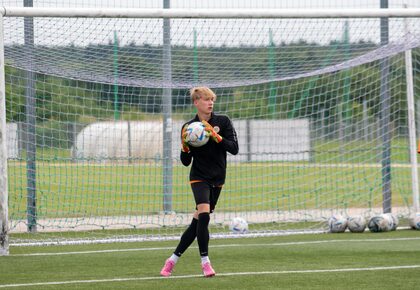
{"x": 218, "y": 275}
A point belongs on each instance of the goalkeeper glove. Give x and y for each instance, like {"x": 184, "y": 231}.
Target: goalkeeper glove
{"x": 184, "y": 142}
{"x": 212, "y": 133}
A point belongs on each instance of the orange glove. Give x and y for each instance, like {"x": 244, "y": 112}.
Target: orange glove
{"x": 212, "y": 133}
{"x": 184, "y": 142}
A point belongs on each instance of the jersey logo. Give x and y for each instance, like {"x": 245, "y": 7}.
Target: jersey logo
{"x": 216, "y": 129}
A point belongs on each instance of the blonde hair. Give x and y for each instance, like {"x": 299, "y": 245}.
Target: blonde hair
{"x": 202, "y": 92}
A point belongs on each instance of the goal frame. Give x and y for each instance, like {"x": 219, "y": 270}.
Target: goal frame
{"x": 207, "y": 13}
{"x": 174, "y": 14}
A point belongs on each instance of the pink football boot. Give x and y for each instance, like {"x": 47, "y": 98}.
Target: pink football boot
{"x": 167, "y": 268}
{"x": 208, "y": 270}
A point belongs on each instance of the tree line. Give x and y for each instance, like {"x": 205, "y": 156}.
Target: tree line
{"x": 82, "y": 87}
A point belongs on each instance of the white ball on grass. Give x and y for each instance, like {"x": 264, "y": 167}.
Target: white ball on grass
{"x": 393, "y": 220}
{"x": 415, "y": 221}
{"x": 356, "y": 224}
{"x": 238, "y": 225}
{"x": 378, "y": 224}
{"x": 337, "y": 223}
{"x": 389, "y": 221}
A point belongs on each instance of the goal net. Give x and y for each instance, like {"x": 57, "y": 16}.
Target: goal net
{"x": 94, "y": 108}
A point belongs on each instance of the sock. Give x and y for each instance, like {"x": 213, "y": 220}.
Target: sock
{"x": 203, "y": 233}
{"x": 187, "y": 238}
{"x": 205, "y": 259}
{"x": 174, "y": 258}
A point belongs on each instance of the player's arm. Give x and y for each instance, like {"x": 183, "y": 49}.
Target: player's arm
{"x": 185, "y": 156}
{"x": 230, "y": 140}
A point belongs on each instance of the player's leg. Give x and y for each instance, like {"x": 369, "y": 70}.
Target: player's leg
{"x": 203, "y": 238}
{"x": 214, "y": 197}
{"x": 190, "y": 233}
{"x": 203, "y": 210}
{"x": 202, "y": 192}
{"x": 187, "y": 239}
{"x": 203, "y": 215}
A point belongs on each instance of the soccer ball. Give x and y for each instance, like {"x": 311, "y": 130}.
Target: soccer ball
{"x": 392, "y": 220}
{"x": 337, "y": 224}
{"x": 196, "y": 135}
{"x": 378, "y": 224}
{"x": 356, "y": 224}
{"x": 415, "y": 221}
{"x": 238, "y": 225}
{"x": 389, "y": 221}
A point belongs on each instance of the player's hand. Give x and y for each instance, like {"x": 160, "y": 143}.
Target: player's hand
{"x": 212, "y": 133}
{"x": 184, "y": 140}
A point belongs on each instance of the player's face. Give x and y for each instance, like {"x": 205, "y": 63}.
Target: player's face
{"x": 204, "y": 105}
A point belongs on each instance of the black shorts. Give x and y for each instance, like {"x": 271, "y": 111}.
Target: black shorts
{"x": 206, "y": 193}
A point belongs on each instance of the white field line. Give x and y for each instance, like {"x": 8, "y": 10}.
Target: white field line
{"x": 216, "y": 246}
{"x": 218, "y": 275}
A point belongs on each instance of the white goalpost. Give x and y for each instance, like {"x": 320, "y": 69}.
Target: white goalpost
{"x": 4, "y": 219}
{"x": 322, "y": 101}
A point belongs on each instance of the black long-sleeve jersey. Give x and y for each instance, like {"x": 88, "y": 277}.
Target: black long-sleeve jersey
{"x": 209, "y": 160}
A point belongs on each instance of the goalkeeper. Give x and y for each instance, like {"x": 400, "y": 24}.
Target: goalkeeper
{"x": 207, "y": 175}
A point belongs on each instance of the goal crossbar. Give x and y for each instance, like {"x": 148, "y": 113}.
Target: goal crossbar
{"x": 206, "y": 13}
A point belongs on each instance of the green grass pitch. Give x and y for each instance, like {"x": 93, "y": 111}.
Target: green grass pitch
{"x": 320, "y": 261}
{"x": 92, "y": 189}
